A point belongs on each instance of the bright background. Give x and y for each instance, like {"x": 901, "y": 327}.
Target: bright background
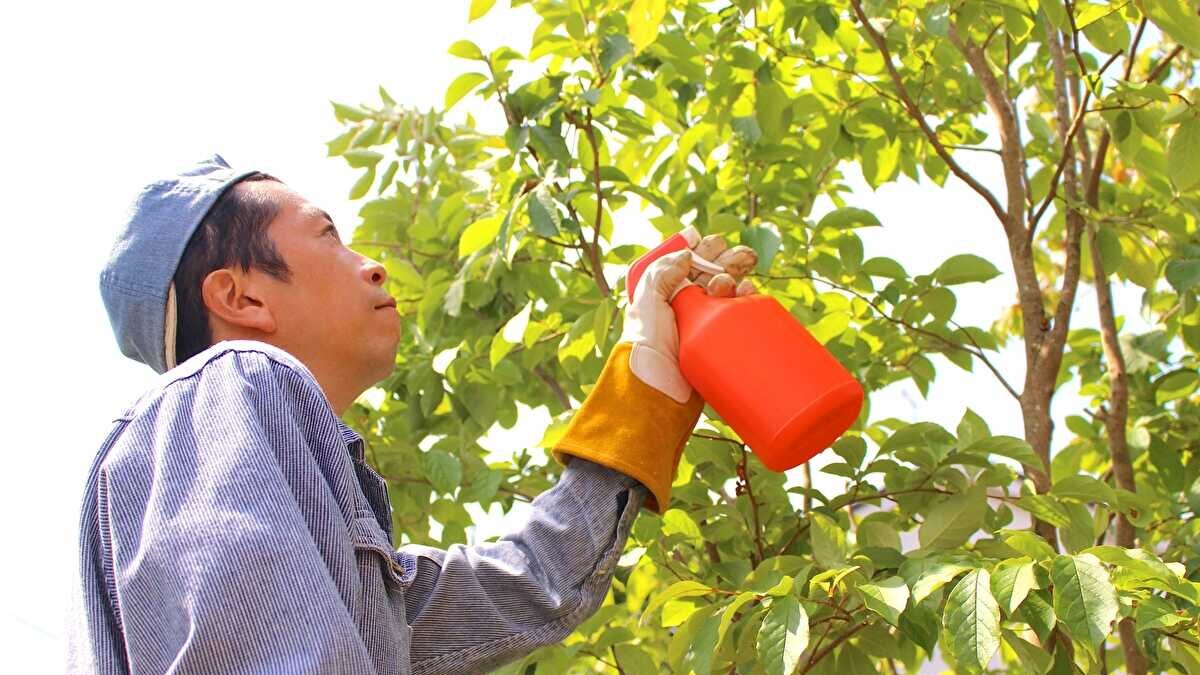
{"x": 102, "y": 98}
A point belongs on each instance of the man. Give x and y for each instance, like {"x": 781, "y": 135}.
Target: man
{"x": 230, "y": 524}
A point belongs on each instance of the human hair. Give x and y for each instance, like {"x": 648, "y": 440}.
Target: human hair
{"x": 233, "y": 232}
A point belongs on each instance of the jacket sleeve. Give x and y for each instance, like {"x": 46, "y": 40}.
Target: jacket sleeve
{"x": 474, "y": 608}
{"x": 214, "y": 567}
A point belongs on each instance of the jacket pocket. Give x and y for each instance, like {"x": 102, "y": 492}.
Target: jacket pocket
{"x": 368, "y": 537}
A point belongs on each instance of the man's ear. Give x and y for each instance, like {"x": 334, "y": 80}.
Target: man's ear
{"x": 229, "y": 298}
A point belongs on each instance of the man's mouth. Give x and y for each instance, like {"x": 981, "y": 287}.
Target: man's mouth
{"x": 390, "y": 303}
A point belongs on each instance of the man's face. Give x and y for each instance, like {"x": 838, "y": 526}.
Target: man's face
{"x": 334, "y": 311}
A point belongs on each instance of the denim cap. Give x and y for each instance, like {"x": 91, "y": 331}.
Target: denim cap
{"x": 137, "y": 282}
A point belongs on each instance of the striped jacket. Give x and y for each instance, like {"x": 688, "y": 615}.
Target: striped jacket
{"x": 230, "y": 525}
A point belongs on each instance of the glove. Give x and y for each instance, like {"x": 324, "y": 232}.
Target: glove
{"x": 639, "y": 415}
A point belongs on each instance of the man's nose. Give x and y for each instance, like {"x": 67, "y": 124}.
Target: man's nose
{"x": 374, "y": 272}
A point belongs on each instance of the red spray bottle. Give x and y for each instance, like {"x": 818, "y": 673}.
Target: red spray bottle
{"x": 758, "y": 367}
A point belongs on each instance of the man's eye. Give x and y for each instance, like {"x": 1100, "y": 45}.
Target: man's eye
{"x": 332, "y": 231}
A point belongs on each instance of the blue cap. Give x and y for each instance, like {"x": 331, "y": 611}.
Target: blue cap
{"x": 136, "y": 283}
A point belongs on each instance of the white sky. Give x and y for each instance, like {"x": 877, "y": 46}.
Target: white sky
{"x": 105, "y": 97}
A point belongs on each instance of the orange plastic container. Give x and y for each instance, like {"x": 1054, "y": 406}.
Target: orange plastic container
{"x": 760, "y": 369}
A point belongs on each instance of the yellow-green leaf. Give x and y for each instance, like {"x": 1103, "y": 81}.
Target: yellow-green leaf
{"x": 461, "y": 86}
{"x": 644, "y": 18}
{"x": 679, "y": 589}
{"x": 1183, "y": 153}
{"x": 479, "y": 234}
{"x": 783, "y": 636}
{"x": 479, "y": 8}
{"x": 887, "y": 598}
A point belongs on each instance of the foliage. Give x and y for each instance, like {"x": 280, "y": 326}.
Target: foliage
{"x": 736, "y": 117}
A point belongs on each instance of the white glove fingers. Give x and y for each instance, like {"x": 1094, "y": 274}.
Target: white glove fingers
{"x": 672, "y": 273}
{"x": 746, "y": 287}
{"x": 722, "y": 286}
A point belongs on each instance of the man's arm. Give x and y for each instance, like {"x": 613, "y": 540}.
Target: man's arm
{"x": 474, "y": 608}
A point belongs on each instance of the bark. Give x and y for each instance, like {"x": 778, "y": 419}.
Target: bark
{"x": 1116, "y": 417}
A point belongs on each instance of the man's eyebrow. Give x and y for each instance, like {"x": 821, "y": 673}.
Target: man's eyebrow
{"x": 327, "y": 216}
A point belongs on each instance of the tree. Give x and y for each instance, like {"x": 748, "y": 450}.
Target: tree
{"x": 736, "y": 117}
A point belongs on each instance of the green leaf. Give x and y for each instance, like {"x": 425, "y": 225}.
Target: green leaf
{"x": 1029, "y": 544}
{"x": 1011, "y": 582}
{"x": 972, "y": 621}
{"x": 351, "y": 113}
{"x": 828, "y": 541}
{"x": 363, "y": 184}
{"x": 479, "y": 8}
{"x": 1008, "y": 446}
{"x": 723, "y": 222}
{"x": 677, "y": 521}
{"x": 703, "y": 644}
{"x": 461, "y": 86}
{"x": 772, "y": 110}
{"x": 920, "y": 624}
{"x": 1037, "y": 612}
{"x": 479, "y": 234}
{"x": 543, "y": 213}
{"x": 1036, "y": 659}
{"x": 1183, "y": 153}
{"x": 1178, "y": 19}
{"x": 887, "y": 598}
{"x": 511, "y": 335}
{"x": 765, "y": 242}
{"x": 972, "y": 428}
{"x": 783, "y": 636}
{"x": 685, "y": 637}
{"x": 883, "y": 267}
{"x": 1183, "y": 274}
{"x": 1084, "y": 489}
{"x": 848, "y": 217}
{"x": 930, "y": 576}
{"x": 1047, "y": 508}
{"x": 613, "y": 47}
{"x": 442, "y": 469}
{"x": 679, "y": 589}
{"x": 361, "y": 159}
{"x": 634, "y": 659}
{"x": 465, "y": 49}
{"x": 731, "y": 610}
{"x": 644, "y": 18}
{"x": 952, "y": 522}
{"x": 1084, "y": 598}
{"x": 1175, "y": 385}
{"x": 965, "y": 268}
{"x": 676, "y": 612}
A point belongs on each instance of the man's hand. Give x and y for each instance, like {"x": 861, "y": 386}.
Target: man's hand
{"x": 650, "y": 321}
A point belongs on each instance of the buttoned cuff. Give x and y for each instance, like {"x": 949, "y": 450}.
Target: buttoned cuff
{"x": 631, "y": 427}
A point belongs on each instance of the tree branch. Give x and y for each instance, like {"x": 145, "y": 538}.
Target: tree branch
{"x": 917, "y": 117}
{"x": 743, "y": 472}
{"x": 1067, "y": 154}
{"x": 1029, "y": 292}
{"x": 1012, "y": 155}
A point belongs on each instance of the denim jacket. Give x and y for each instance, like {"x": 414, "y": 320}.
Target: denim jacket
{"x": 230, "y": 525}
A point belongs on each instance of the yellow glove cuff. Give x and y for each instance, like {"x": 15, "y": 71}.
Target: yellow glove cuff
{"x": 631, "y": 427}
